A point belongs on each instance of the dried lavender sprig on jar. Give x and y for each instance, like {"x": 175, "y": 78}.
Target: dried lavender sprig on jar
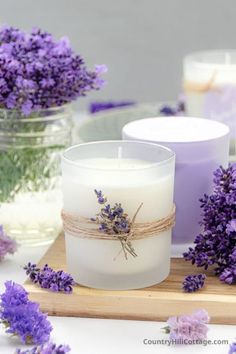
{"x": 114, "y": 221}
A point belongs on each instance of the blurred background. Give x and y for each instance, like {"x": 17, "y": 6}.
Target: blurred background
{"x": 141, "y": 42}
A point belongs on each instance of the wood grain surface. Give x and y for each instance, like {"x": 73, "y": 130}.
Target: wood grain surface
{"x": 155, "y": 303}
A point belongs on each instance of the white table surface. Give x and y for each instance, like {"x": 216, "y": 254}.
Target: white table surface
{"x": 99, "y": 336}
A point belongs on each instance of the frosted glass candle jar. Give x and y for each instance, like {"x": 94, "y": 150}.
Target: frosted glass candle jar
{"x": 201, "y": 145}
{"x": 210, "y": 88}
{"x": 129, "y": 173}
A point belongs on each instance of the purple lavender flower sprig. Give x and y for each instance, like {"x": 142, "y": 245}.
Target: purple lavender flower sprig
{"x": 47, "y": 278}
{"x": 188, "y": 327}
{"x": 228, "y": 275}
{"x": 97, "y": 106}
{"x": 7, "y": 244}
{"x": 114, "y": 221}
{"x": 177, "y": 110}
{"x": 22, "y": 317}
{"x": 38, "y": 72}
{"x": 193, "y": 282}
{"x": 216, "y": 245}
{"x": 48, "y": 348}
{"x": 232, "y": 348}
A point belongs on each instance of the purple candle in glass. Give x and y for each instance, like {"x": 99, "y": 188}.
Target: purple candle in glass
{"x": 201, "y": 145}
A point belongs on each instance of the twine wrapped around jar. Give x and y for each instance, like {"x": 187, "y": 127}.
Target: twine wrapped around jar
{"x": 200, "y": 87}
{"x": 82, "y": 227}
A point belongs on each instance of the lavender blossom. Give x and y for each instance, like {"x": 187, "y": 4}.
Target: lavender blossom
{"x": 47, "y": 278}
{"x": 33, "y": 350}
{"x": 96, "y": 107}
{"x": 216, "y": 245}
{"x": 7, "y": 244}
{"x": 48, "y": 348}
{"x": 188, "y": 327}
{"x": 228, "y": 275}
{"x": 177, "y": 110}
{"x": 22, "y": 317}
{"x": 232, "y": 348}
{"x": 193, "y": 282}
{"x": 38, "y": 72}
{"x": 114, "y": 221}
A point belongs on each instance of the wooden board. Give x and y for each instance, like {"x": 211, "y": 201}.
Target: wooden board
{"x": 154, "y": 303}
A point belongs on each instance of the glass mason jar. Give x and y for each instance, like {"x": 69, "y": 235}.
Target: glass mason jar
{"x": 30, "y": 193}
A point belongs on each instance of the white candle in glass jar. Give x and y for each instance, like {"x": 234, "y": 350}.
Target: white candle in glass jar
{"x": 210, "y": 88}
{"x": 130, "y": 174}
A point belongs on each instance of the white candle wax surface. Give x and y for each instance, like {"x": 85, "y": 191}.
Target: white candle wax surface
{"x": 175, "y": 130}
{"x": 129, "y": 182}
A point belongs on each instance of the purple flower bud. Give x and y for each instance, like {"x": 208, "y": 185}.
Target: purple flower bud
{"x": 47, "y": 278}
{"x": 23, "y": 317}
{"x": 189, "y": 327}
{"x": 7, "y": 245}
{"x": 216, "y": 245}
{"x": 39, "y": 72}
{"x": 232, "y": 348}
{"x": 48, "y": 348}
{"x": 193, "y": 282}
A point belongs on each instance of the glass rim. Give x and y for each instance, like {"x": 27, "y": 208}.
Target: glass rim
{"x": 212, "y": 122}
{"x": 194, "y": 59}
{"x": 108, "y": 142}
{"x": 56, "y": 113}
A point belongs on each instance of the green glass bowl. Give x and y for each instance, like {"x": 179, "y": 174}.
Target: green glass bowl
{"x": 107, "y": 125}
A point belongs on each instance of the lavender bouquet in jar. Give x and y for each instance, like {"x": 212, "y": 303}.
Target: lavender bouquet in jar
{"x": 39, "y": 78}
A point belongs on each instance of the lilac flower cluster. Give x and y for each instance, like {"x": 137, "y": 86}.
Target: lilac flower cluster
{"x": 188, "y": 327}
{"x": 47, "y": 278}
{"x": 48, "y": 348}
{"x": 96, "y": 107}
{"x": 193, "y": 282}
{"x": 37, "y": 72}
{"x": 114, "y": 221}
{"x": 216, "y": 245}
{"x": 7, "y": 244}
{"x": 22, "y": 317}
